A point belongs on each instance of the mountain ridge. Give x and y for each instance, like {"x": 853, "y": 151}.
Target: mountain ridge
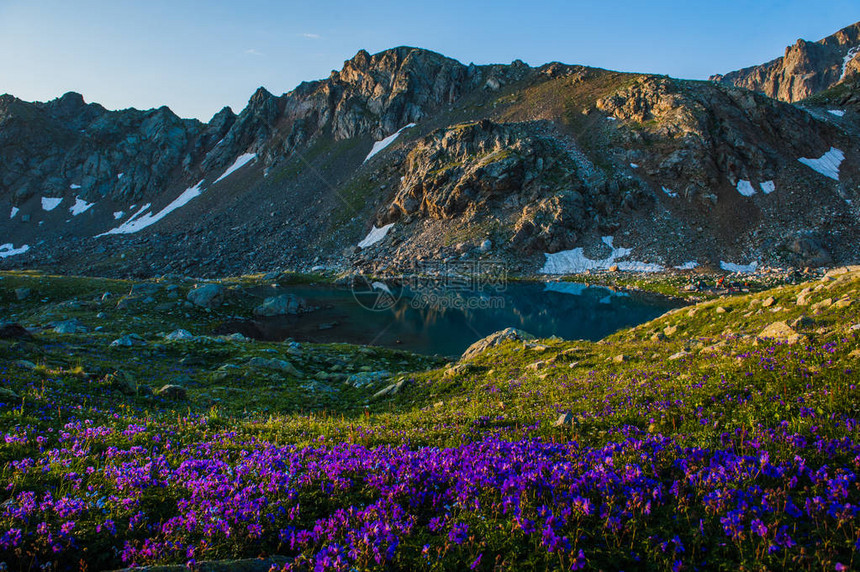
{"x": 533, "y": 160}
{"x": 806, "y": 68}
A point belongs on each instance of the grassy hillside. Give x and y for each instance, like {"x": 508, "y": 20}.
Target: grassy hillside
{"x": 695, "y": 441}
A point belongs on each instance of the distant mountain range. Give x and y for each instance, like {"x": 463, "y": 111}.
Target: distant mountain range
{"x": 415, "y": 156}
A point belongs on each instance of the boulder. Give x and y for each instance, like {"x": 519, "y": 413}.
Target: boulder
{"x": 69, "y": 327}
{"x": 122, "y": 381}
{"x": 128, "y": 341}
{"x": 145, "y": 289}
{"x": 389, "y": 390}
{"x": 14, "y": 331}
{"x": 364, "y": 378}
{"x": 802, "y": 322}
{"x": 22, "y": 293}
{"x": 564, "y": 420}
{"x": 207, "y": 295}
{"x": 281, "y": 305}
{"x": 173, "y": 392}
{"x": 130, "y": 301}
{"x": 179, "y": 334}
{"x": 781, "y": 331}
{"x": 274, "y": 363}
{"x": 493, "y": 340}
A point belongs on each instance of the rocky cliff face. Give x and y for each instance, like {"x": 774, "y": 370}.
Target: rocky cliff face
{"x": 51, "y": 147}
{"x": 721, "y": 135}
{"x": 531, "y": 161}
{"x": 67, "y": 146}
{"x": 372, "y": 95}
{"x": 519, "y": 173}
{"x": 806, "y": 68}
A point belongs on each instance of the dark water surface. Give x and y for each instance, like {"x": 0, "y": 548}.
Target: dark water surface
{"x": 446, "y": 322}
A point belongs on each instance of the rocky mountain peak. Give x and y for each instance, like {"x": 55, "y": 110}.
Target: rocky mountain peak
{"x": 805, "y": 69}
{"x": 260, "y": 97}
{"x": 848, "y": 36}
{"x": 222, "y": 116}
{"x": 69, "y": 100}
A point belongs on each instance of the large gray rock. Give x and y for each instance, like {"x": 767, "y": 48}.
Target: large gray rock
{"x": 145, "y": 288}
{"x": 129, "y": 302}
{"x": 128, "y": 341}
{"x": 280, "y": 306}
{"x": 494, "y": 340}
{"x": 13, "y": 331}
{"x": 364, "y": 378}
{"x": 207, "y": 296}
{"x": 782, "y": 331}
{"x": 274, "y": 363}
{"x": 179, "y": 334}
{"x": 69, "y": 327}
{"x": 389, "y": 390}
{"x": 122, "y": 381}
{"x": 173, "y": 392}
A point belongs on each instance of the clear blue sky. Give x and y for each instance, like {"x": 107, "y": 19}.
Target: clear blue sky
{"x": 198, "y": 56}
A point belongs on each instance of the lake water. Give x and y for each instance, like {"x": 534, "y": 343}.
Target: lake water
{"x": 447, "y": 321}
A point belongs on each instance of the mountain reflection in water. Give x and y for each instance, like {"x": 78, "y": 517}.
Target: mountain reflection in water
{"x": 446, "y": 322}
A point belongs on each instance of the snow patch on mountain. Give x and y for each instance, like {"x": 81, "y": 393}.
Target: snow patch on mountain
{"x": 745, "y": 188}
{"x": 380, "y": 145}
{"x": 847, "y": 59}
{"x": 80, "y": 206}
{"x": 50, "y": 203}
{"x": 240, "y": 162}
{"x": 827, "y": 164}
{"x": 8, "y": 249}
{"x": 375, "y": 235}
{"x": 139, "y": 222}
{"x": 574, "y": 261}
